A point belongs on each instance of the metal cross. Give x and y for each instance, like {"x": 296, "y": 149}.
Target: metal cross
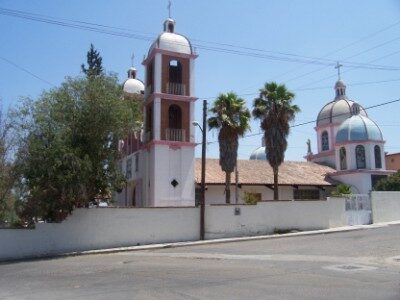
{"x": 133, "y": 58}
{"x": 169, "y": 9}
{"x": 338, "y": 65}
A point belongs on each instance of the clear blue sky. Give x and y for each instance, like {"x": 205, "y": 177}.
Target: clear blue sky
{"x": 316, "y": 29}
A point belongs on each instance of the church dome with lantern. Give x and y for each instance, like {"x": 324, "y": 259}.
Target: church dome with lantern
{"x": 171, "y": 41}
{"x": 259, "y": 153}
{"x": 133, "y": 86}
{"x": 338, "y": 110}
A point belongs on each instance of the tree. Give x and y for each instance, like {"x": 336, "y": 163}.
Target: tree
{"x": 390, "y": 183}
{"x": 94, "y": 62}
{"x": 68, "y": 153}
{"x": 231, "y": 118}
{"x": 7, "y": 198}
{"x": 275, "y": 110}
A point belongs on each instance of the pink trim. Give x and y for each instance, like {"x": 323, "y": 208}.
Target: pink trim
{"x": 323, "y": 154}
{"x": 170, "y": 97}
{"x": 171, "y": 144}
{"x": 365, "y": 171}
{"x": 360, "y": 142}
{"x": 167, "y": 52}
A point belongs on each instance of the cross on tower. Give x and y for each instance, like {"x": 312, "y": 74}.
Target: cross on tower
{"x": 133, "y": 58}
{"x": 169, "y": 9}
{"x": 338, "y": 65}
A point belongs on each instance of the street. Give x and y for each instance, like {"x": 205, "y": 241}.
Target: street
{"x": 361, "y": 264}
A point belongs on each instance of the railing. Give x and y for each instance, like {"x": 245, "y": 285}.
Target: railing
{"x": 176, "y": 88}
{"x": 148, "y": 90}
{"x": 178, "y": 135}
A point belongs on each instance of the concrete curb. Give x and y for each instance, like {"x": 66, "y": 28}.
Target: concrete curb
{"x": 230, "y": 240}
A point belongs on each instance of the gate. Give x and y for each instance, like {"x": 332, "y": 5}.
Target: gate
{"x": 358, "y": 209}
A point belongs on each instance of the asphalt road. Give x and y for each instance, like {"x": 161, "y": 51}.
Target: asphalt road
{"x": 362, "y": 264}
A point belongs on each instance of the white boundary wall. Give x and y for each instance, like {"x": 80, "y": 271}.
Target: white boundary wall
{"x": 99, "y": 228}
{"x": 385, "y": 206}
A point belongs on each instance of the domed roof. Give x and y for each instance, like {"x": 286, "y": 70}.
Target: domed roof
{"x": 132, "y": 85}
{"x": 339, "y": 109}
{"x": 358, "y": 128}
{"x": 259, "y": 154}
{"x": 171, "y": 41}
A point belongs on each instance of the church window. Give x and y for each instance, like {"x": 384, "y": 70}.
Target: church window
{"x": 343, "y": 159}
{"x": 325, "y": 141}
{"x": 360, "y": 157}
{"x": 175, "y": 71}
{"x": 378, "y": 159}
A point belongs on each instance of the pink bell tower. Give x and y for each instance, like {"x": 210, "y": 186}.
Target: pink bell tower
{"x": 168, "y": 115}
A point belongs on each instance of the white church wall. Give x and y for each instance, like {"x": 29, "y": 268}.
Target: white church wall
{"x": 360, "y": 182}
{"x": 385, "y": 206}
{"x": 99, "y": 228}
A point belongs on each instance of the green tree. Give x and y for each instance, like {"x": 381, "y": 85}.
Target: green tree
{"x": 94, "y": 62}
{"x": 390, "y": 183}
{"x": 68, "y": 153}
{"x": 232, "y": 119}
{"x": 275, "y": 110}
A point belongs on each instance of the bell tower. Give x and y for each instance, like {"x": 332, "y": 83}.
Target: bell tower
{"x": 169, "y": 112}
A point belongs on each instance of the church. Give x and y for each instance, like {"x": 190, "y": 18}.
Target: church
{"x": 159, "y": 160}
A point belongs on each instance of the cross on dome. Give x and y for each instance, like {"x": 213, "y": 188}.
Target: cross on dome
{"x": 338, "y": 66}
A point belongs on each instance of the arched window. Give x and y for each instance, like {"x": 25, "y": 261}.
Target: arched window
{"x": 360, "y": 157}
{"x": 175, "y": 71}
{"x": 378, "y": 158}
{"x": 343, "y": 159}
{"x": 325, "y": 141}
{"x": 174, "y": 117}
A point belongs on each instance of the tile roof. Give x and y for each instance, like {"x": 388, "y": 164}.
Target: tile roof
{"x": 258, "y": 172}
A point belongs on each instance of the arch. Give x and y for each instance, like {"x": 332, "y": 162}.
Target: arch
{"x": 325, "y": 141}
{"x": 343, "y": 158}
{"x": 378, "y": 157}
{"x": 175, "y": 71}
{"x": 360, "y": 157}
{"x": 174, "y": 117}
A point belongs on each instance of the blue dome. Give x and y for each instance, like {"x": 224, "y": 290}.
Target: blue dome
{"x": 259, "y": 154}
{"x": 358, "y": 128}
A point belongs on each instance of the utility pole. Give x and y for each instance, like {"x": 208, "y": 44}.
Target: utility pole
{"x": 203, "y": 171}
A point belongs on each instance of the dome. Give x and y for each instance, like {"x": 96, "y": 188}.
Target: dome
{"x": 259, "y": 154}
{"x": 132, "y": 85}
{"x": 337, "y": 111}
{"x": 358, "y": 128}
{"x": 171, "y": 41}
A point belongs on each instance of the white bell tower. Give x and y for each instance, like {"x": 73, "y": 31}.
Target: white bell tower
{"x": 169, "y": 112}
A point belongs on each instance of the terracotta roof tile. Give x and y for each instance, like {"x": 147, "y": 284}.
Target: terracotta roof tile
{"x": 258, "y": 172}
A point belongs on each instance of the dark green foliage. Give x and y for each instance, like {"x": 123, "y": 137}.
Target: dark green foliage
{"x": 390, "y": 183}
{"x": 275, "y": 110}
{"x": 232, "y": 119}
{"x": 68, "y": 152}
{"x": 94, "y": 62}
{"x": 342, "y": 189}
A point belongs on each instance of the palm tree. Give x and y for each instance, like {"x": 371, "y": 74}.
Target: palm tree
{"x": 275, "y": 110}
{"x": 231, "y": 117}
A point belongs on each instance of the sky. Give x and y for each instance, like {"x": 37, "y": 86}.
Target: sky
{"x": 241, "y": 45}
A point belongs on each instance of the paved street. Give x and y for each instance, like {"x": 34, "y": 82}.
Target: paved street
{"x": 359, "y": 264}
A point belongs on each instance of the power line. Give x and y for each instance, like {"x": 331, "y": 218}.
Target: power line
{"x": 26, "y": 71}
{"x": 98, "y": 28}
{"x": 309, "y": 122}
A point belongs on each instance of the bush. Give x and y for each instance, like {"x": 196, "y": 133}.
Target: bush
{"x": 249, "y": 199}
{"x": 342, "y": 189}
{"x": 390, "y": 183}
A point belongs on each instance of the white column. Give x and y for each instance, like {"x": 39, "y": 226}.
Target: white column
{"x": 191, "y": 126}
{"x": 157, "y": 119}
{"x": 157, "y": 73}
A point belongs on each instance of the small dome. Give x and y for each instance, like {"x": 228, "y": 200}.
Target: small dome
{"x": 259, "y": 154}
{"x": 337, "y": 111}
{"x": 358, "y": 128}
{"x": 340, "y": 84}
{"x": 133, "y": 86}
{"x": 171, "y": 41}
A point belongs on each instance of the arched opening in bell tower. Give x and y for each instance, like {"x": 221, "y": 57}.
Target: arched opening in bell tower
{"x": 175, "y": 85}
{"x": 175, "y": 131}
